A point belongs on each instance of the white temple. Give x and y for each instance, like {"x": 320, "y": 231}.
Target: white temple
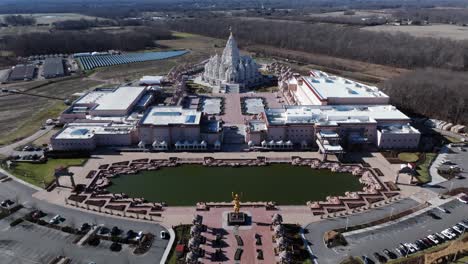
{"x": 231, "y": 68}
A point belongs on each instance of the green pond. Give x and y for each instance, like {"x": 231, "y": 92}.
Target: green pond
{"x": 189, "y": 184}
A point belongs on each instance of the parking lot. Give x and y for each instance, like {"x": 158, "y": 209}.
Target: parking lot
{"x": 389, "y": 237}
{"x": 32, "y": 243}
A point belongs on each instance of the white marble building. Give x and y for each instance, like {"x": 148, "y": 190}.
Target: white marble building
{"x": 232, "y": 69}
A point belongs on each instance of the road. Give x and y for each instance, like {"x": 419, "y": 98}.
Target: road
{"x": 30, "y": 243}
{"x": 8, "y": 150}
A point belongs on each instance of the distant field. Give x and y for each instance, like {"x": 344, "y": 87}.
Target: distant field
{"x": 436, "y": 30}
{"x": 49, "y": 18}
{"x": 357, "y": 14}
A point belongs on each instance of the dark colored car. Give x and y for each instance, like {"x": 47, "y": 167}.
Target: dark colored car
{"x": 390, "y": 254}
{"x": 380, "y": 258}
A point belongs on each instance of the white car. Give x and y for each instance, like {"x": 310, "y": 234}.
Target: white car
{"x": 463, "y": 199}
{"x": 433, "y": 239}
{"x": 448, "y": 234}
{"x": 464, "y": 225}
{"x": 457, "y": 229}
{"x": 410, "y": 247}
{"x": 139, "y": 236}
{"x": 55, "y": 219}
{"x": 163, "y": 235}
{"x": 443, "y": 209}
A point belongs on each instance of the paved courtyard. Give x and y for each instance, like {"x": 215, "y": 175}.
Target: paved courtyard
{"x": 260, "y": 225}
{"x": 232, "y": 101}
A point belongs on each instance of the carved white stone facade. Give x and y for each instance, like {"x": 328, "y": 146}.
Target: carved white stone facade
{"x": 232, "y": 68}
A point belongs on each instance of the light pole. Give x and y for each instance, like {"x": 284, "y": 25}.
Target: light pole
{"x": 347, "y": 223}
{"x": 451, "y": 186}
{"x": 391, "y": 213}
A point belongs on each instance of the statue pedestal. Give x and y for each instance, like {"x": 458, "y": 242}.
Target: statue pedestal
{"x": 240, "y": 221}
{"x": 234, "y": 219}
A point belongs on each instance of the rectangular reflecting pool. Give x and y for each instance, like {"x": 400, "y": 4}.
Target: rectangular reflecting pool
{"x": 188, "y": 184}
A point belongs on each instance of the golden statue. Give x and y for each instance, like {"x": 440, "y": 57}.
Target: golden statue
{"x": 236, "y": 202}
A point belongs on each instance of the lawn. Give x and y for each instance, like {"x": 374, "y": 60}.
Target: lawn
{"x": 408, "y": 157}
{"x": 38, "y": 174}
{"x": 423, "y": 168}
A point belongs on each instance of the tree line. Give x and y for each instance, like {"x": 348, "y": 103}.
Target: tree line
{"x": 19, "y": 20}
{"x": 79, "y": 41}
{"x": 400, "y": 50}
{"x": 438, "y": 93}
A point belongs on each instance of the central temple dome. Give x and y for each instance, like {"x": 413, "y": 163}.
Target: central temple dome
{"x": 232, "y": 68}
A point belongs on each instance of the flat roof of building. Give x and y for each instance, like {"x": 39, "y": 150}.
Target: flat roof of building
{"x": 53, "y": 67}
{"x": 84, "y": 131}
{"x": 120, "y": 98}
{"x": 326, "y": 86}
{"x": 332, "y": 115}
{"x": 171, "y": 115}
{"x": 398, "y": 129}
{"x": 23, "y": 71}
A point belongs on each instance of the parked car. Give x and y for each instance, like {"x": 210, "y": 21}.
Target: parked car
{"x": 434, "y": 239}
{"x": 163, "y": 235}
{"x": 443, "y": 210}
{"x": 7, "y": 203}
{"x": 428, "y": 242}
{"x": 55, "y": 220}
{"x": 380, "y": 258}
{"x": 366, "y": 260}
{"x": 37, "y": 214}
{"x": 103, "y": 231}
{"x": 441, "y": 237}
{"x": 458, "y": 229}
{"x": 139, "y": 236}
{"x": 130, "y": 234}
{"x": 85, "y": 227}
{"x": 433, "y": 215}
{"x": 410, "y": 248}
{"x": 390, "y": 254}
{"x": 465, "y": 225}
{"x": 448, "y": 234}
{"x": 116, "y": 247}
{"x": 463, "y": 199}
{"x": 115, "y": 231}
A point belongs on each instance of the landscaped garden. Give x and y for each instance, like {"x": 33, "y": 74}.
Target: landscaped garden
{"x": 42, "y": 173}
{"x": 189, "y": 184}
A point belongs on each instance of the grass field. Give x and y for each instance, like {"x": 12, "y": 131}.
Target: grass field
{"x": 423, "y": 168}
{"x": 22, "y": 115}
{"x": 408, "y": 156}
{"x": 38, "y": 174}
{"x": 435, "y": 30}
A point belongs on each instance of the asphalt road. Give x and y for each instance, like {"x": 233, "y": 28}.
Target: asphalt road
{"x": 27, "y": 243}
{"x": 315, "y": 231}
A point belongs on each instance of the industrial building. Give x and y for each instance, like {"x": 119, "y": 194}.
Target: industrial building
{"x": 53, "y": 68}
{"x": 23, "y": 72}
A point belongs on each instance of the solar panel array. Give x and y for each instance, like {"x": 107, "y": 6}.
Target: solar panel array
{"x": 90, "y": 62}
